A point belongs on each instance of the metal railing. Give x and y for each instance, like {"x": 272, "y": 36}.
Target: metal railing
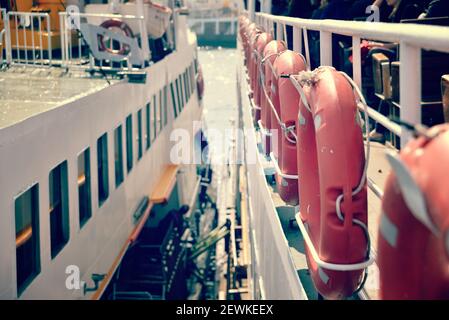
{"x": 3, "y": 35}
{"x": 27, "y": 40}
{"x": 27, "y": 37}
{"x": 411, "y": 39}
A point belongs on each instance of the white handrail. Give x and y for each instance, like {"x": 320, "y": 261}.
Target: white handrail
{"x": 429, "y": 37}
{"x": 23, "y": 32}
{"x": 103, "y": 15}
{"x": 411, "y": 38}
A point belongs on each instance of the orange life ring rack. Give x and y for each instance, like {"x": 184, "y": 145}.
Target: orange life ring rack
{"x": 332, "y": 183}
{"x": 284, "y": 115}
{"x": 124, "y": 27}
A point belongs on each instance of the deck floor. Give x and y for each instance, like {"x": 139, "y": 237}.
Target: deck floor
{"x": 28, "y": 91}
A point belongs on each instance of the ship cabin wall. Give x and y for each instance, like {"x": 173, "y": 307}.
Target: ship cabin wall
{"x": 29, "y": 150}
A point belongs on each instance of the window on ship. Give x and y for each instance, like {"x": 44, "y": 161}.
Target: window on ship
{"x": 118, "y": 156}
{"x": 26, "y": 208}
{"x": 59, "y": 208}
{"x": 84, "y": 195}
{"x": 102, "y": 159}
{"x": 139, "y": 134}
{"x": 129, "y": 143}
{"x": 148, "y": 126}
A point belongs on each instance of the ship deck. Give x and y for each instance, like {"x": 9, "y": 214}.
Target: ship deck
{"x": 28, "y": 91}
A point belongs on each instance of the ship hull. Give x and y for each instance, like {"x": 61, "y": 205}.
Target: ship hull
{"x": 30, "y": 149}
{"x": 275, "y": 272}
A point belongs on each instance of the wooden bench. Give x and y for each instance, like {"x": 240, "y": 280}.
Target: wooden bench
{"x": 164, "y": 188}
{"x": 160, "y": 194}
{"x": 381, "y": 76}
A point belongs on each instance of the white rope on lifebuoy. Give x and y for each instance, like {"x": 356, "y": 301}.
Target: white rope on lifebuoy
{"x": 286, "y": 130}
{"x": 363, "y": 178}
{"x": 309, "y": 78}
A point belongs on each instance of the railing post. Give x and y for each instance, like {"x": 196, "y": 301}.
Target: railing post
{"x": 62, "y": 24}
{"x": 67, "y": 34}
{"x": 279, "y": 31}
{"x": 325, "y": 48}
{"x": 297, "y": 40}
{"x": 410, "y": 87}
{"x": 284, "y": 31}
{"x": 356, "y": 61}
{"x": 7, "y": 38}
{"x": 307, "y": 47}
{"x": 251, "y": 9}
{"x": 49, "y": 42}
{"x": 143, "y": 31}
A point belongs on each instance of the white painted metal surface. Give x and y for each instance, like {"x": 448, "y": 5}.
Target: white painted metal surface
{"x": 412, "y": 38}
{"x": 31, "y": 147}
{"x": 274, "y": 273}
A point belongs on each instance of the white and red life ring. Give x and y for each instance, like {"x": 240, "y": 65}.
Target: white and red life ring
{"x": 115, "y": 24}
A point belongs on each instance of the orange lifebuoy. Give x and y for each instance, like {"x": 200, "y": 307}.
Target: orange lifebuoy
{"x": 252, "y": 58}
{"x": 249, "y": 31}
{"x": 261, "y": 42}
{"x": 243, "y": 25}
{"x": 284, "y": 116}
{"x": 118, "y": 24}
{"x": 413, "y": 242}
{"x": 331, "y": 167}
{"x": 270, "y": 53}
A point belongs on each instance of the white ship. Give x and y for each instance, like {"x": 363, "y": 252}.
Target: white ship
{"x": 87, "y": 110}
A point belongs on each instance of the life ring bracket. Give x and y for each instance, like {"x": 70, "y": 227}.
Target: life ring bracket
{"x": 328, "y": 265}
{"x": 278, "y": 169}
